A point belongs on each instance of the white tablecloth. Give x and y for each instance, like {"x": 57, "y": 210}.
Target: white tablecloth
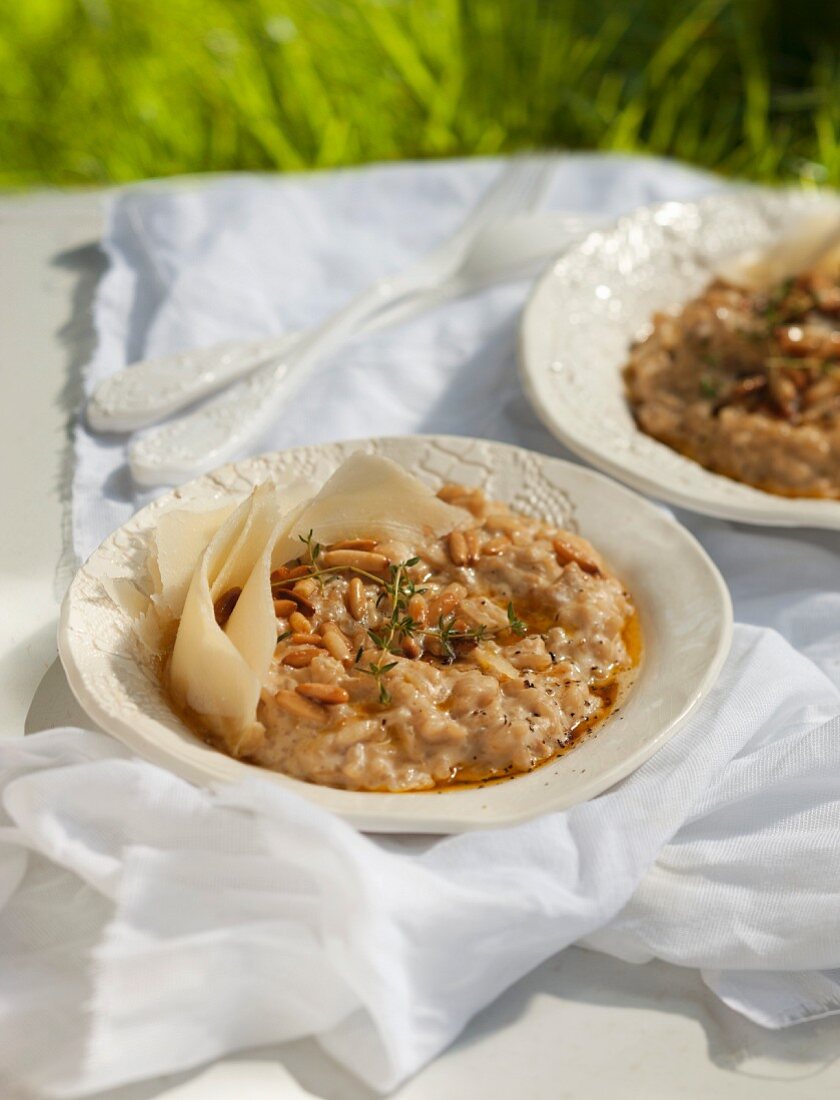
{"x": 193, "y": 923}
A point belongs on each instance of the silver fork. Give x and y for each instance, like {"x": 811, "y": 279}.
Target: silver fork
{"x": 228, "y": 425}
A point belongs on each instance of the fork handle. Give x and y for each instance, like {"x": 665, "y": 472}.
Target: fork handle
{"x": 226, "y": 425}
{"x": 152, "y": 390}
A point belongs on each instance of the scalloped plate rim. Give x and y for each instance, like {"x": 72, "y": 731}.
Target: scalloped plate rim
{"x": 452, "y": 811}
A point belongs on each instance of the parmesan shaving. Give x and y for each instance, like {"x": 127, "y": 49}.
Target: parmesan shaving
{"x": 180, "y": 538}
{"x": 371, "y": 497}
{"x": 811, "y": 243}
{"x": 208, "y": 674}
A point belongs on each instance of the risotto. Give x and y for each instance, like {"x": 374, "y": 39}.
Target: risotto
{"x": 747, "y": 383}
{"x": 463, "y": 657}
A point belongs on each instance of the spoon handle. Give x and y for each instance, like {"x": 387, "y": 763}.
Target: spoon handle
{"x": 228, "y": 423}
{"x": 155, "y": 388}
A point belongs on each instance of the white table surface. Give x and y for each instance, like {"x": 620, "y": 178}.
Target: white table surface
{"x": 581, "y": 1026}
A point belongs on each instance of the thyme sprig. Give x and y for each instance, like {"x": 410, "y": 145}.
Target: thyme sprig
{"x": 313, "y": 549}
{"x": 446, "y": 635}
{"x": 389, "y": 638}
{"x": 515, "y": 623}
{"x": 377, "y": 670}
{"x": 400, "y": 626}
{"x": 399, "y": 588}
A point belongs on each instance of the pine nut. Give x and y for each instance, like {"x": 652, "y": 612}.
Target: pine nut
{"x": 335, "y": 642}
{"x": 446, "y": 602}
{"x": 353, "y": 544}
{"x": 502, "y": 522}
{"x": 498, "y": 545}
{"x": 299, "y": 706}
{"x": 303, "y": 605}
{"x": 306, "y": 639}
{"x": 418, "y": 609}
{"x": 458, "y": 550}
{"x": 305, "y": 587}
{"x": 471, "y": 539}
{"x": 284, "y": 608}
{"x": 300, "y": 658}
{"x": 474, "y": 501}
{"x": 450, "y": 492}
{"x": 356, "y": 599}
{"x": 355, "y": 559}
{"x": 299, "y": 623}
{"x": 330, "y": 694}
{"x": 567, "y": 551}
{"x": 223, "y": 607}
{"x": 394, "y": 551}
{"x": 411, "y": 648}
{"x": 283, "y": 591}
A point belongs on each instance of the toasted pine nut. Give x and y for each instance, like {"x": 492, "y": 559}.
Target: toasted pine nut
{"x": 502, "y": 522}
{"x": 279, "y": 575}
{"x": 568, "y": 550}
{"x": 355, "y": 598}
{"x": 418, "y": 609}
{"x": 411, "y": 648}
{"x": 394, "y": 551}
{"x": 279, "y": 592}
{"x": 300, "y": 658}
{"x": 284, "y": 608}
{"x": 353, "y": 544}
{"x": 474, "y": 501}
{"x": 355, "y": 559}
{"x": 497, "y": 545}
{"x": 458, "y": 550}
{"x": 446, "y": 602}
{"x": 299, "y": 623}
{"x": 223, "y": 607}
{"x": 299, "y": 706}
{"x": 306, "y": 639}
{"x": 304, "y": 606}
{"x": 335, "y": 642}
{"x": 323, "y": 693}
{"x": 450, "y": 492}
{"x": 471, "y": 539}
{"x": 305, "y": 587}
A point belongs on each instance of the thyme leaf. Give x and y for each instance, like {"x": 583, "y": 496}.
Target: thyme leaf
{"x": 516, "y": 624}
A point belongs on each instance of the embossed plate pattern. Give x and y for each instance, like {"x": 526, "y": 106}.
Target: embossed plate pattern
{"x": 582, "y": 315}
{"x": 683, "y": 604}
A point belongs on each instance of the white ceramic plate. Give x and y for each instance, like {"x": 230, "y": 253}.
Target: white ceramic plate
{"x": 683, "y": 604}
{"x": 584, "y": 312}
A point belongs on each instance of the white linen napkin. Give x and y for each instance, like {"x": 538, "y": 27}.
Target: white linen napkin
{"x": 192, "y": 264}
{"x": 192, "y": 923}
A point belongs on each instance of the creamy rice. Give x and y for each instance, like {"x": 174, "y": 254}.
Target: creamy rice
{"x": 514, "y": 638}
{"x": 748, "y": 384}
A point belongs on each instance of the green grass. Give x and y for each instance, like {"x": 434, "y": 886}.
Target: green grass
{"x": 111, "y": 90}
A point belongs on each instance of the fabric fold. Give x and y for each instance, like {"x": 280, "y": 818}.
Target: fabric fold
{"x": 213, "y": 920}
